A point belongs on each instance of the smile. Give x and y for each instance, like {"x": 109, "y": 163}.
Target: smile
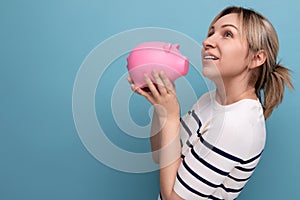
{"x": 210, "y": 58}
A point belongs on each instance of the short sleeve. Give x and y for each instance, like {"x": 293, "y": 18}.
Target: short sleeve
{"x": 191, "y": 122}
{"x": 205, "y": 169}
{"x": 188, "y": 137}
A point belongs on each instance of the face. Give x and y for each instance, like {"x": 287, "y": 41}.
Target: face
{"x": 224, "y": 53}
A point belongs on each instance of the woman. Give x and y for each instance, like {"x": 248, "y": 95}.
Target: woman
{"x": 211, "y": 152}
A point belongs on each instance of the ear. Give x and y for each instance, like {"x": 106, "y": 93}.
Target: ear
{"x": 258, "y": 59}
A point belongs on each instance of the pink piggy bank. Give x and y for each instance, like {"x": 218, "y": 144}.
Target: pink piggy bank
{"x": 159, "y": 56}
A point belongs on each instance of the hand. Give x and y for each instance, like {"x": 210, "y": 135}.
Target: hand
{"x": 162, "y": 95}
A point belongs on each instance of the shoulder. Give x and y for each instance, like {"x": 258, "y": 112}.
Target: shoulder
{"x": 199, "y": 109}
{"x": 240, "y": 128}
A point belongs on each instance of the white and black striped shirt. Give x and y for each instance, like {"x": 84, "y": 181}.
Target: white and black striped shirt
{"x": 221, "y": 146}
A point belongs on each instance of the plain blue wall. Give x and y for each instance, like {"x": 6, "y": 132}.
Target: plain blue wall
{"x": 42, "y": 45}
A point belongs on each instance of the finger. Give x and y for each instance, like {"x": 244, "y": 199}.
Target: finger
{"x": 147, "y": 95}
{"x": 133, "y": 87}
{"x": 137, "y": 90}
{"x": 167, "y": 82}
{"x": 151, "y": 86}
{"x": 160, "y": 84}
{"x": 129, "y": 79}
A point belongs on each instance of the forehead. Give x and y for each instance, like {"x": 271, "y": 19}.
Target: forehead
{"x": 232, "y": 19}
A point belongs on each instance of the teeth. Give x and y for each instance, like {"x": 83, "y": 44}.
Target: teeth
{"x": 210, "y": 57}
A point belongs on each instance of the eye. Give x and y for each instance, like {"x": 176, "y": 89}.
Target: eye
{"x": 228, "y": 34}
{"x": 210, "y": 33}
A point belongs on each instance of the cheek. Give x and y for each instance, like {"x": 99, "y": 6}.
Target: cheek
{"x": 234, "y": 56}
{"x": 233, "y": 62}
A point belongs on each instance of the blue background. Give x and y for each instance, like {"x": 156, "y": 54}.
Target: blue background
{"x": 42, "y": 45}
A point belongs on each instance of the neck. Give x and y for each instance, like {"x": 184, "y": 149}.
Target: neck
{"x": 228, "y": 93}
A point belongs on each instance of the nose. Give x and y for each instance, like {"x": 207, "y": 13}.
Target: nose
{"x": 209, "y": 42}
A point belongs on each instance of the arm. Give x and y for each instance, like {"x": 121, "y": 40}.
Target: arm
{"x": 169, "y": 158}
{"x": 155, "y": 136}
{"x": 165, "y": 138}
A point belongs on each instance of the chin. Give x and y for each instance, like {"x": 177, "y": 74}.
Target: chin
{"x": 211, "y": 72}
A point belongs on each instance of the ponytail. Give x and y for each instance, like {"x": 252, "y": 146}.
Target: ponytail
{"x": 274, "y": 86}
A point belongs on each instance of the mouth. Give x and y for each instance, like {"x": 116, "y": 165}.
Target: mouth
{"x": 210, "y": 58}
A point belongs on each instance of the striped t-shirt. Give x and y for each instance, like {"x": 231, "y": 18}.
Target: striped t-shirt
{"x": 221, "y": 146}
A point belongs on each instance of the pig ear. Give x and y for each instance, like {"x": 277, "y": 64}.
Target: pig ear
{"x": 177, "y": 46}
{"x": 167, "y": 47}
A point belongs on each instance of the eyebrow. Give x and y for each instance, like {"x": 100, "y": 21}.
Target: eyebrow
{"x": 231, "y": 25}
{"x": 226, "y": 25}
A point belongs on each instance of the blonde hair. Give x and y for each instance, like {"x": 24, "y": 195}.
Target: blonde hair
{"x": 271, "y": 77}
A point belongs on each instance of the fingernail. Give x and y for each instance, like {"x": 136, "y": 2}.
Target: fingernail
{"x": 146, "y": 77}
{"x": 154, "y": 73}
